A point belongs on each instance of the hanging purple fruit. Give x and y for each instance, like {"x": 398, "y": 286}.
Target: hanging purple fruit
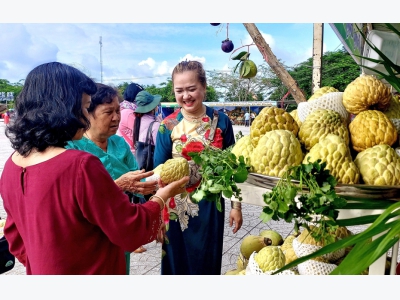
{"x": 215, "y": 24}
{"x": 227, "y": 46}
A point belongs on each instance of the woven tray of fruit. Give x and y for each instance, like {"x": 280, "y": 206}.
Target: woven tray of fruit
{"x": 348, "y": 191}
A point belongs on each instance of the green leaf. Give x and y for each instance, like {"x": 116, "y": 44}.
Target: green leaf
{"x": 216, "y": 188}
{"x": 241, "y": 175}
{"x": 227, "y": 193}
{"x": 198, "y": 195}
{"x": 240, "y": 55}
{"x": 266, "y": 217}
{"x": 237, "y": 65}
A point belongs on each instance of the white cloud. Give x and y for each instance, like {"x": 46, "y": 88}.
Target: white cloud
{"x": 163, "y": 69}
{"x": 225, "y": 67}
{"x": 148, "y": 62}
{"x": 191, "y": 57}
{"x": 267, "y": 37}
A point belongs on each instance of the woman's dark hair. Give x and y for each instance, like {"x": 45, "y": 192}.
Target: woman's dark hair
{"x": 104, "y": 94}
{"x": 49, "y": 108}
{"x": 131, "y": 91}
{"x": 190, "y": 65}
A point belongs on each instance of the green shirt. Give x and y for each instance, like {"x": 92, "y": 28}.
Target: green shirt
{"x": 118, "y": 159}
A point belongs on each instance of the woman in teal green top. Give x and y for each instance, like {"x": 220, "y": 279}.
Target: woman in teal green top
{"x": 113, "y": 151}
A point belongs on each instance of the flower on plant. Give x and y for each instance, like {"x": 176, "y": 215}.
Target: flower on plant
{"x": 192, "y": 147}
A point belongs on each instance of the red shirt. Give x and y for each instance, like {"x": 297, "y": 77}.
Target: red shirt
{"x": 67, "y": 216}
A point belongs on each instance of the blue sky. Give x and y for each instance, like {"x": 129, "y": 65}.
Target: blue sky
{"x": 144, "y": 47}
{"x": 146, "y": 53}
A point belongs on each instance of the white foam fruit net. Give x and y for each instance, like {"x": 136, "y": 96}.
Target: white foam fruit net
{"x": 313, "y": 267}
{"x": 332, "y": 101}
{"x": 304, "y": 249}
{"x": 253, "y": 268}
{"x": 396, "y": 123}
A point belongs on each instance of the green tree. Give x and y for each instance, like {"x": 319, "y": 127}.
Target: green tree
{"x": 229, "y": 87}
{"x": 6, "y": 86}
{"x": 165, "y": 90}
{"x": 338, "y": 70}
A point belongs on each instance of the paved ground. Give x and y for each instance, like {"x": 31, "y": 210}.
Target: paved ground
{"x": 148, "y": 263}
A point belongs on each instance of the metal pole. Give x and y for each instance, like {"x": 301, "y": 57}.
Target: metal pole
{"x": 317, "y": 55}
{"x": 101, "y": 60}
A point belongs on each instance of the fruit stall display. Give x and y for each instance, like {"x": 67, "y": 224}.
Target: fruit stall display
{"x": 342, "y": 146}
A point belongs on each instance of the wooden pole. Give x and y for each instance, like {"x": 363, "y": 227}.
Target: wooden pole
{"x": 317, "y": 55}
{"x": 273, "y": 62}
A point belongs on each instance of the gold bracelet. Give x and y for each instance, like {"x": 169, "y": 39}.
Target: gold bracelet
{"x": 236, "y": 205}
{"x": 163, "y": 201}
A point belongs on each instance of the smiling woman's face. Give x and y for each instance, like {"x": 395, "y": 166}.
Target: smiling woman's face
{"x": 104, "y": 120}
{"x": 189, "y": 92}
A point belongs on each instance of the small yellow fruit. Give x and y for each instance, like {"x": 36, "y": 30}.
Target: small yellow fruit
{"x": 270, "y": 258}
{"x": 174, "y": 169}
{"x": 364, "y": 93}
{"x": 370, "y": 128}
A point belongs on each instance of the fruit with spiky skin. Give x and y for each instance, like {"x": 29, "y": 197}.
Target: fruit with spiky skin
{"x": 243, "y": 147}
{"x": 227, "y": 45}
{"x": 295, "y": 115}
{"x": 290, "y": 255}
{"x": 370, "y": 128}
{"x": 174, "y": 169}
{"x": 334, "y": 151}
{"x": 366, "y": 92}
{"x": 318, "y": 124}
{"x": 270, "y": 258}
{"x": 276, "y": 152}
{"x": 322, "y": 91}
{"x": 379, "y": 165}
{"x": 287, "y": 243}
{"x": 271, "y": 118}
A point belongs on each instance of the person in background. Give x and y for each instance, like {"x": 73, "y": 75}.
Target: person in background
{"x": 247, "y": 119}
{"x": 195, "y": 240}
{"x": 128, "y": 106}
{"x": 65, "y": 214}
{"x": 146, "y": 108}
{"x": 147, "y": 105}
{"x": 252, "y": 117}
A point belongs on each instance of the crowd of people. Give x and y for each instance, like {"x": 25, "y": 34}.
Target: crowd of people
{"x": 77, "y": 201}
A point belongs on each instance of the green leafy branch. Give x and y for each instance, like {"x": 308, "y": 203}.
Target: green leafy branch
{"x": 306, "y": 194}
{"x": 221, "y": 170}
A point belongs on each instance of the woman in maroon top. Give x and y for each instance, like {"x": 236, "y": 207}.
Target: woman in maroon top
{"x": 65, "y": 214}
